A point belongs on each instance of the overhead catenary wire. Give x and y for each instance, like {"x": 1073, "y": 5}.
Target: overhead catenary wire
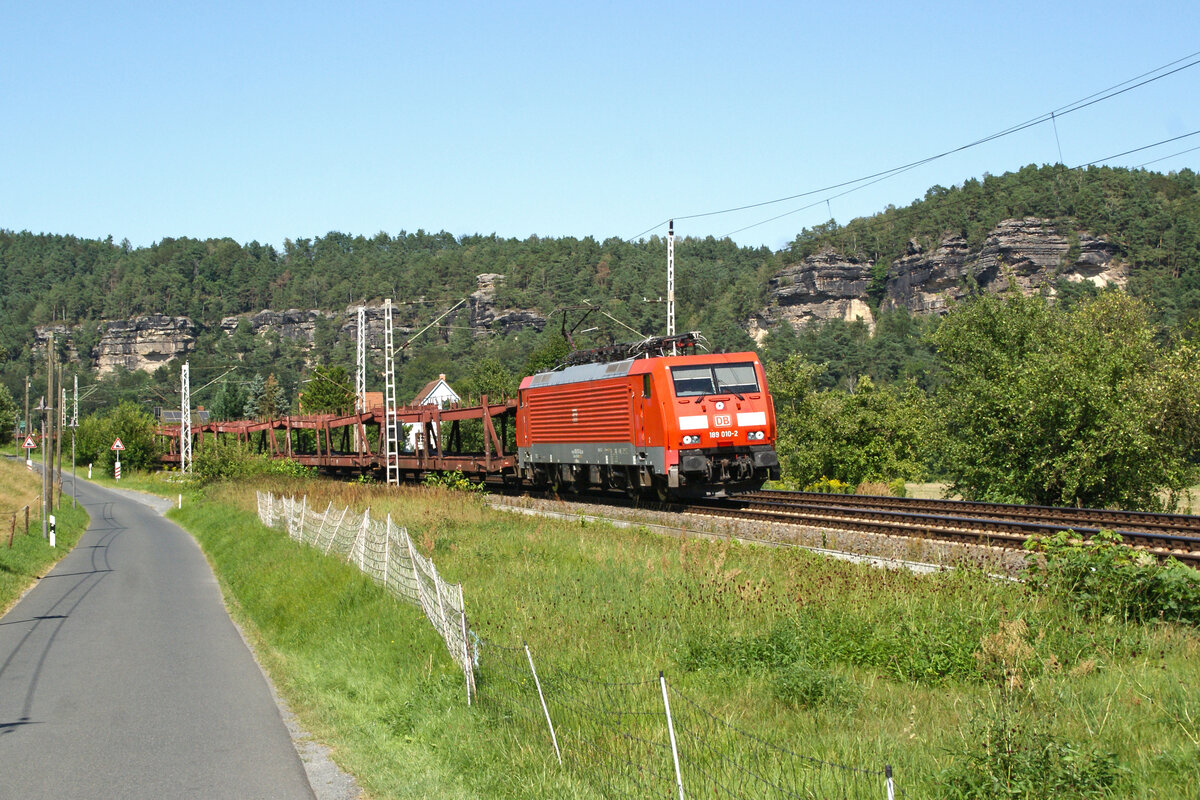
{"x": 856, "y": 188}
{"x": 1092, "y": 99}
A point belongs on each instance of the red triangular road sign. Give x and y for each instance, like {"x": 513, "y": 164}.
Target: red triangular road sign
{"x": 117, "y": 445}
{"x": 29, "y": 443}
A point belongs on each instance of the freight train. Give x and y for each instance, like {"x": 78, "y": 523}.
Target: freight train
{"x": 671, "y": 426}
{"x": 636, "y": 418}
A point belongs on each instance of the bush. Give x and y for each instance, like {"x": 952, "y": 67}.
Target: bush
{"x": 804, "y": 686}
{"x": 830, "y": 486}
{"x": 1006, "y": 755}
{"x": 229, "y": 460}
{"x": 454, "y": 481}
{"x": 1102, "y": 577}
{"x": 219, "y": 459}
{"x": 129, "y": 422}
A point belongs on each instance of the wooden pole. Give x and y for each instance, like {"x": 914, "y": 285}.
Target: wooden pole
{"x": 62, "y": 410}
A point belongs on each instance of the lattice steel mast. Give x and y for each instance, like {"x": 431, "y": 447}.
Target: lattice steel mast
{"x": 391, "y": 432}
{"x": 360, "y": 377}
{"x": 671, "y": 281}
{"x": 185, "y": 420}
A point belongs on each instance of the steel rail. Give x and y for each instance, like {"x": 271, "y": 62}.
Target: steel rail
{"x": 1008, "y": 533}
{"x": 1149, "y": 522}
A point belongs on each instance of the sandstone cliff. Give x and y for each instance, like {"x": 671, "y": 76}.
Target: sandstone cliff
{"x": 1030, "y": 253}
{"x": 147, "y": 342}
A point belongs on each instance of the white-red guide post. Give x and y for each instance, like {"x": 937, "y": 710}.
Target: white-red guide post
{"x": 117, "y": 447}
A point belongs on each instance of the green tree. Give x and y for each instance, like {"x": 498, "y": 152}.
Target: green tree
{"x": 8, "y": 411}
{"x": 273, "y": 402}
{"x": 129, "y": 422}
{"x": 230, "y": 402}
{"x": 552, "y": 352}
{"x": 871, "y": 434}
{"x": 490, "y": 377}
{"x": 254, "y": 396}
{"x": 328, "y": 390}
{"x": 1078, "y": 407}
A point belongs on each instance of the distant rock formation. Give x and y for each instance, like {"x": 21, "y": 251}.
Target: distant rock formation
{"x": 822, "y": 287}
{"x": 485, "y": 314}
{"x": 1031, "y": 253}
{"x": 147, "y": 342}
{"x": 143, "y": 343}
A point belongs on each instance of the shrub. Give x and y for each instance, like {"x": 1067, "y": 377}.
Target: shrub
{"x": 830, "y": 486}
{"x": 804, "y": 686}
{"x": 1102, "y": 577}
{"x": 454, "y": 481}
{"x": 1010, "y": 754}
{"x": 218, "y": 459}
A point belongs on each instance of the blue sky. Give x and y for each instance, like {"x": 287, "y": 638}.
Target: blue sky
{"x": 266, "y": 121}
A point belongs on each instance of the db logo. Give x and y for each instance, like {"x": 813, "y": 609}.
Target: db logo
{"x": 722, "y": 420}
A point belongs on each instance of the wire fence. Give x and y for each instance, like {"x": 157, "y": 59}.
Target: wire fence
{"x": 386, "y": 554}
{"x": 12, "y": 526}
{"x": 637, "y": 739}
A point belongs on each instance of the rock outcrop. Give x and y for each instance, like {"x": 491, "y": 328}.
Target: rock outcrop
{"x": 485, "y": 313}
{"x": 822, "y": 287}
{"x": 1030, "y": 253}
{"x": 143, "y": 343}
{"x": 293, "y": 324}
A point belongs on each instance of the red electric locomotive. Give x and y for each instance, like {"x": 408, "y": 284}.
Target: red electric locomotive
{"x": 685, "y": 426}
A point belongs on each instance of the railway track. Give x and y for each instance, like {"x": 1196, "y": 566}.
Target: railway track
{"x": 995, "y": 524}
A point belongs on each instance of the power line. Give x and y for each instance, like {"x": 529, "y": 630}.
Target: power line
{"x": 1164, "y": 158}
{"x": 1077, "y": 167}
{"x": 1092, "y": 99}
{"x": 1139, "y": 149}
{"x": 877, "y": 180}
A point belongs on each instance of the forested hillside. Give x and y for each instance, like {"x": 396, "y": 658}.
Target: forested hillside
{"x": 839, "y": 426}
{"x": 1153, "y": 218}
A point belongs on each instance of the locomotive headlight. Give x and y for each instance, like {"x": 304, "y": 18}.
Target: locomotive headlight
{"x": 691, "y": 440}
{"x": 756, "y": 435}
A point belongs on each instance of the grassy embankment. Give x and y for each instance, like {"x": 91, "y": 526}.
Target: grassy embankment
{"x": 943, "y": 676}
{"x": 30, "y": 556}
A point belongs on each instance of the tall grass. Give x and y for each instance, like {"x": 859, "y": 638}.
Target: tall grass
{"x": 830, "y": 659}
{"x": 30, "y": 556}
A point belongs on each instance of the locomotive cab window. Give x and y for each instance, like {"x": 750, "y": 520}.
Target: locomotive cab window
{"x": 705, "y": 379}
{"x": 646, "y": 386}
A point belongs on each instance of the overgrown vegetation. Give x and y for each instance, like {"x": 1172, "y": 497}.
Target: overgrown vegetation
{"x": 30, "y": 555}
{"x": 1100, "y": 577}
{"x": 224, "y": 459}
{"x": 964, "y": 684}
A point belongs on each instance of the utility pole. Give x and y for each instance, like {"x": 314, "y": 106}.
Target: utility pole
{"x": 74, "y": 427}
{"x": 62, "y": 422}
{"x": 45, "y": 480}
{"x": 48, "y": 425}
{"x": 390, "y": 424}
{"x": 360, "y": 375}
{"x": 185, "y": 420}
{"x": 671, "y": 282}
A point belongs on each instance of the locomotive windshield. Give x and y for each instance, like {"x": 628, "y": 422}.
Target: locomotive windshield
{"x": 702, "y": 379}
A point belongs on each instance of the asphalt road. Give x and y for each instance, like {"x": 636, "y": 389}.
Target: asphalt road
{"x": 122, "y": 676}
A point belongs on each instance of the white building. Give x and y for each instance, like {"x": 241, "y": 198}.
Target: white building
{"x": 435, "y": 393}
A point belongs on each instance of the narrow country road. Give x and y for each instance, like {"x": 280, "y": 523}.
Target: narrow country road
{"x": 122, "y": 676}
